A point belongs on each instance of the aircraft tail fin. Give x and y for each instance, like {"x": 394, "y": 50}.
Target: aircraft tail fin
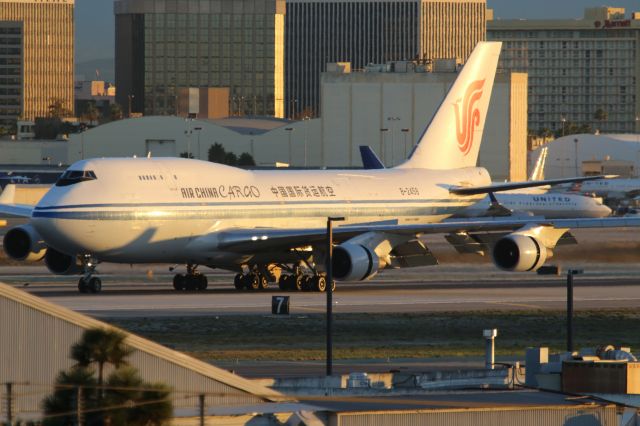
{"x": 452, "y": 139}
{"x": 538, "y": 171}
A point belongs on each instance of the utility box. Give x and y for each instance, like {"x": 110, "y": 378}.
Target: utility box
{"x": 601, "y": 377}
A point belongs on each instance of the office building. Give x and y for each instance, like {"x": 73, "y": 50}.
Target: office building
{"x": 583, "y": 71}
{"x": 165, "y": 46}
{"x": 36, "y": 58}
{"x": 10, "y": 73}
{"x": 361, "y": 32}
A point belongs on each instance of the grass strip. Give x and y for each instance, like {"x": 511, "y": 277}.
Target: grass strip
{"x": 379, "y": 336}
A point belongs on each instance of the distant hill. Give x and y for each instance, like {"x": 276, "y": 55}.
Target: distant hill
{"x": 87, "y": 70}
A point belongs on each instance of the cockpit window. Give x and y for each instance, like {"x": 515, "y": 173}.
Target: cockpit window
{"x": 71, "y": 177}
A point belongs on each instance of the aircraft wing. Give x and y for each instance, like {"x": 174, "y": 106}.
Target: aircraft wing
{"x": 461, "y": 190}
{"x": 19, "y": 210}
{"x": 263, "y": 239}
{"x": 8, "y": 205}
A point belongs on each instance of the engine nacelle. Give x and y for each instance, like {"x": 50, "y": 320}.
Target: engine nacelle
{"x": 519, "y": 253}
{"x": 61, "y": 264}
{"x": 24, "y": 243}
{"x": 354, "y": 262}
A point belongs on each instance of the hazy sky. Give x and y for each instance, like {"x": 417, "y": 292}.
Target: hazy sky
{"x": 95, "y": 22}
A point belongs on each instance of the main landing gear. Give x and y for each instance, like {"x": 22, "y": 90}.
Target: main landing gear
{"x": 191, "y": 281}
{"x": 88, "y": 283}
{"x": 301, "y": 282}
{"x": 295, "y": 281}
{"x": 251, "y": 281}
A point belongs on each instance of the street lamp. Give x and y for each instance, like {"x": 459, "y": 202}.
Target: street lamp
{"x": 306, "y": 119}
{"x": 563, "y": 119}
{"x": 289, "y": 131}
{"x": 383, "y": 144}
{"x": 329, "y": 267}
{"x": 198, "y": 129}
{"x": 130, "y": 97}
{"x": 575, "y": 145}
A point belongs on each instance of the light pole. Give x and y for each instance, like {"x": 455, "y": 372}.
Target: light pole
{"x": 289, "y": 131}
{"x": 329, "y": 267}
{"x": 198, "y": 129}
{"x": 575, "y": 153}
{"x": 393, "y": 121}
{"x": 130, "y": 97}
{"x": 383, "y": 145}
{"x": 306, "y": 119}
{"x": 406, "y": 151}
{"x": 563, "y": 119}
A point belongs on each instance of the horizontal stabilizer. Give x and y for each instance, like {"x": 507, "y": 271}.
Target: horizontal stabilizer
{"x": 459, "y": 190}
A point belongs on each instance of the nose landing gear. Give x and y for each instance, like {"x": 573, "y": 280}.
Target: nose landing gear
{"x": 191, "y": 281}
{"x": 88, "y": 283}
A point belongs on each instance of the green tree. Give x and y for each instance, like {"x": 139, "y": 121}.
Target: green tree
{"x": 125, "y": 398}
{"x": 91, "y": 113}
{"x": 601, "y": 115}
{"x": 57, "y": 109}
{"x": 217, "y": 153}
{"x": 246, "y": 159}
{"x": 115, "y": 112}
{"x": 126, "y": 388}
{"x": 65, "y": 398}
{"x": 101, "y": 346}
{"x": 231, "y": 159}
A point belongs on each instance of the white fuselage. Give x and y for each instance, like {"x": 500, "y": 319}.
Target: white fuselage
{"x": 611, "y": 188}
{"x": 170, "y": 210}
{"x": 549, "y": 205}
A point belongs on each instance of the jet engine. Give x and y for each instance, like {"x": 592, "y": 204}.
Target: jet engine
{"x": 24, "y": 243}
{"x": 354, "y": 262}
{"x": 61, "y": 264}
{"x": 519, "y": 253}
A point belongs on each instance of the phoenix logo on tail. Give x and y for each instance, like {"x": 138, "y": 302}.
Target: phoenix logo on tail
{"x": 470, "y": 116}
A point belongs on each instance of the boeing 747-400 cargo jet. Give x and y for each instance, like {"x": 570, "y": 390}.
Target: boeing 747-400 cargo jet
{"x": 262, "y": 224}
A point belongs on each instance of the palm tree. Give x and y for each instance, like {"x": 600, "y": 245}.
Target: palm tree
{"x": 101, "y": 346}
{"x": 138, "y": 402}
{"x": 65, "y": 397}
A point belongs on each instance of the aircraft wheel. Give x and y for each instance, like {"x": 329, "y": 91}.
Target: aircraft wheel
{"x": 263, "y": 282}
{"x": 83, "y": 287}
{"x": 179, "y": 282}
{"x": 299, "y": 282}
{"x": 253, "y": 281}
{"x": 95, "y": 285}
{"x": 319, "y": 283}
{"x": 307, "y": 283}
{"x": 283, "y": 282}
{"x": 203, "y": 283}
{"x": 238, "y": 282}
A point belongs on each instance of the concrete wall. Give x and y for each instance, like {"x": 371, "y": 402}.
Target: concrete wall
{"x": 357, "y": 107}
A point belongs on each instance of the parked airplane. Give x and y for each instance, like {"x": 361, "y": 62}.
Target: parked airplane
{"x": 617, "y": 189}
{"x": 527, "y": 201}
{"x": 260, "y": 223}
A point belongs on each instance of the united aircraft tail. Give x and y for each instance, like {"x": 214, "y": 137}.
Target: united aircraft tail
{"x": 452, "y": 139}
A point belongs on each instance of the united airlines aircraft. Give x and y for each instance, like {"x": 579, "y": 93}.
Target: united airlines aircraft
{"x": 269, "y": 226}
